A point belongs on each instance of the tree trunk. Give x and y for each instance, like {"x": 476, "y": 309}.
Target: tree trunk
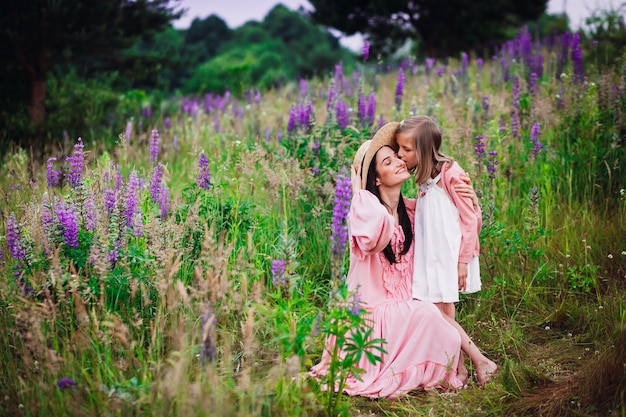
{"x": 38, "y": 100}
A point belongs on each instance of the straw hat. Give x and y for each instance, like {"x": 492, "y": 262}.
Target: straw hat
{"x": 363, "y": 157}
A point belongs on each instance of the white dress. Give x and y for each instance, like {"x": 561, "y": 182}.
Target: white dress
{"x": 437, "y": 245}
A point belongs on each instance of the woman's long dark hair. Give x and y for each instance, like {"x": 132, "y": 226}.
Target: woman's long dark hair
{"x": 403, "y": 215}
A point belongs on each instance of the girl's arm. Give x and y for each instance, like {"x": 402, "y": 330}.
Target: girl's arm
{"x": 465, "y": 189}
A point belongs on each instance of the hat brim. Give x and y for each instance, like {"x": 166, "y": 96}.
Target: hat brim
{"x": 385, "y": 136}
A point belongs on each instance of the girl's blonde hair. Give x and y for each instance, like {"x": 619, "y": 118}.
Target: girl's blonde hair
{"x": 427, "y": 139}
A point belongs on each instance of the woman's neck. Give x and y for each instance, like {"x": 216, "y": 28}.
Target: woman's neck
{"x": 391, "y": 199}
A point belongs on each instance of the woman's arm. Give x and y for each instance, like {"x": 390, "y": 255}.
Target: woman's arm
{"x": 466, "y": 190}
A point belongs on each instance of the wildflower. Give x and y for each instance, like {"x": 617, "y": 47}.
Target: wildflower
{"x": 515, "y": 122}
{"x": 164, "y": 202}
{"x": 278, "y": 272}
{"x": 114, "y": 253}
{"x": 16, "y": 247}
{"x": 134, "y": 185}
{"x": 610, "y": 256}
{"x": 109, "y": 200}
{"x": 534, "y": 138}
{"x": 502, "y": 125}
{"x": 362, "y": 111}
{"x": 492, "y": 165}
{"x": 515, "y": 86}
{"x": 146, "y": 112}
{"x": 65, "y": 383}
{"x": 339, "y": 231}
{"x": 532, "y": 84}
{"x": 76, "y": 161}
{"x": 207, "y": 337}
{"x": 356, "y": 302}
{"x": 137, "y": 224}
{"x": 371, "y": 108}
{"x": 68, "y": 218}
{"x": 292, "y": 122}
{"x": 53, "y": 176}
{"x": 399, "y": 89}
{"x": 479, "y": 64}
{"x": 155, "y": 182}
{"x": 203, "y": 180}
{"x": 479, "y": 148}
{"x": 464, "y": 62}
{"x": 365, "y": 52}
{"x": 168, "y": 123}
{"x": 304, "y": 86}
{"x": 90, "y": 212}
{"x": 485, "y": 103}
{"x": 577, "y": 59}
{"x": 154, "y": 146}
{"x": 440, "y": 71}
{"x": 175, "y": 143}
{"x": 381, "y": 121}
{"x": 317, "y": 145}
{"x": 343, "y": 116}
{"x": 332, "y": 93}
{"x": 430, "y": 63}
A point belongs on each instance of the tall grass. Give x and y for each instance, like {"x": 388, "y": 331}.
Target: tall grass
{"x": 177, "y": 312}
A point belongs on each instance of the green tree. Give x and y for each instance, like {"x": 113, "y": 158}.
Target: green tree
{"x": 442, "y": 27}
{"x": 35, "y": 35}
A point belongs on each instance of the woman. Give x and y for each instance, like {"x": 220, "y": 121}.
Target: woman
{"x": 422, "y": 349}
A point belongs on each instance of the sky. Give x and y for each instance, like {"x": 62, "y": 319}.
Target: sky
{"x": 237, "y": 12}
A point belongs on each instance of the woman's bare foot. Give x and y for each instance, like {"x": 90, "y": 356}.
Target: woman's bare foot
{"x": 485, "y": 372}
{"x": 461, "y": 370}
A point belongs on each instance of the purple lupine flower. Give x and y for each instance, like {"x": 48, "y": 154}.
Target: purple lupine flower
{"x": 164, "y": 202}
{"x": 362, "y": 111}
{"x": 114, "y": 253}
{"x": 486, "y": 102}
{"x": 399, "y": 89}
{"x": 515, "y": 122}
{"x": 381, "y": 121}
{"x": 68, "y": 219}
{"x": 464, "y": 62}
{"x": 479, "y": 64}
{"x": 203, "y": 180}
{"x": 207, "y": 344}
{"x": 577, "y": 59}
{"x": 565, "y": 44}
{"x": 479, "y": 148}
{"x": 505, "y": 64}
{"x": 53, "y": 176}
{"x": 343, "y": 117}
{"x": 279, "y": 135}
{"x": 76, "y": 161}
{"x": 168, "y": 123}
{"x": 332, "y": 93}
{"x": 339, "y": 231}
{"x": 128, "y": 132}
{"x": 365, "y": 52}
{"x": 137, "y": 224}
{"x": 65, "y": 383}
{"x": 315, "y": 171}
{"x": 109, "y": 200}
{"x": 16, "y": 247}
{"x": 441, "y": 70}
{"x": 155, "y": 182}
{"x": 278, "y": 272}
{"x": 492, "y": 165}
{"x": 515, "y": 88}
{"x": 134, "y": 185}
{"x": 90, "y": 212}
{"x": 292, "y": 122}
{"x": 371, "y": 108}
{"x": 317, "y": 145}
{"x": 534, "y": 138}
{"x": 532, "y": 84}
{"x": 154, "y": 146}
{"x": 146, "y": 112}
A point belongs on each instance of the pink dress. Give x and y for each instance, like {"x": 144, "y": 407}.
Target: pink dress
{"x": 422, "y": 347}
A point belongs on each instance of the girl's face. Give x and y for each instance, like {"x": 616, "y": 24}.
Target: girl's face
{"x": 390, "y": 170}
{"x": 406, "y": 149}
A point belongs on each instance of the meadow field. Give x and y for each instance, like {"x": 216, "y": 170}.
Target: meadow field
{"x": 196, "y": 268}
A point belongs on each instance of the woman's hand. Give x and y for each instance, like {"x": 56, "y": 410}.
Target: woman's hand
{"x": 466, "y": 190}
{"x": 356, "y": 179}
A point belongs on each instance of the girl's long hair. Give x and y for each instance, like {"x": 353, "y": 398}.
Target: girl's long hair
{"x": 403, "y": 215}
{"x": 427, "y": 139}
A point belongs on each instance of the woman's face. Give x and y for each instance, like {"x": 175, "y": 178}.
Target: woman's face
{"x": 390, "y": 169}
{"x": 406, "y": 150}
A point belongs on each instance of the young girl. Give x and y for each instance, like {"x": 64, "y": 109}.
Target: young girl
{"x": 446, "y": 261}
{"x": 446, "y": 227}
